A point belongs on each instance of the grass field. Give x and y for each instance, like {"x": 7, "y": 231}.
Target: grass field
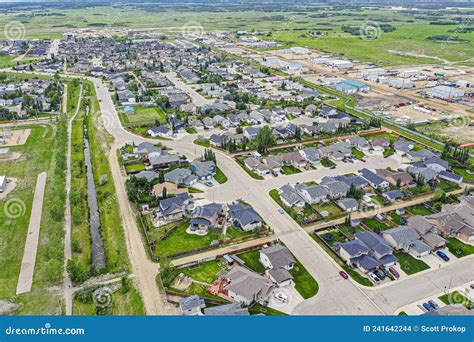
{"x": 205, "y": 272}
{"x": 251, "y": 259}
{"x": 305, "y": 284}
{"x": 180, "y": 241}
{"x": 456, "y": 298}
{"x": 459, "y": 248}
{"x": 220, "y": 177}
{"x": 145, "y": 116}
{"x": 409, "y": 264}
{"x": 292, "y": 24}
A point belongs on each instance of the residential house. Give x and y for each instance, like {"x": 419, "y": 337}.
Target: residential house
{"x": 244, "y": 216}
{"x": 393, "y": 195}
{"x": 160, "y": 131}
{"x": 407, "y": 239}
{"x": 173, "y": 208}
{"x": 192, "y": 305}
{"x": 427, "y": 231}
{"x": 290, "y": 197}
{"x": 313, "y": 194}
{"x": 245, "y": 286}
{"x": 204, "y": 170}
{"x": 380, "y": 144}
{"x": 181, "y": 176}
{"x": 205, "y": 217}
{"x": 375, "y": 181}
{"x": 311, "y": 155}
{"x": 348, "y": 205}
{"x": 163, "y": 161}
{"x": 403, "y": 179}
{"x": 402, "y": 147}
{"x": 359, "y": 143}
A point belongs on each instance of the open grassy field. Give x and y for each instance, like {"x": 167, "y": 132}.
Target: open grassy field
{"x": 144, "y": 116}
{"x": 40, "y": 153}
{"x": 312, "y": 25}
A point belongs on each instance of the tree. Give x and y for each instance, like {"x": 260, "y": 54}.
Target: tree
{"x": 265, "y": 139}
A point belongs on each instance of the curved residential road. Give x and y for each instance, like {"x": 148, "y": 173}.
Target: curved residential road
{"x": 335, "y": 296}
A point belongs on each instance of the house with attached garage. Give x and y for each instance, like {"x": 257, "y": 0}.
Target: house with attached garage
{"x": 393, "y": 195}
{"x": 359, "y": 143}
{"x": 421, "y": 155}
{"x": 349, "y": 205}
{"x": 294, "y": 158}
{"x": 402, "y": 147}
{"x": 357, "y": 181}
{"x": 311, "y": 155}
{"x": 427, "y": 231}
{"x": 160, "y": 131}
{"x": 181, "y": 176}
{"x": 246, "y": 287}
{"x": 196, "y": 124}
{"x": 174, "y": 208}
{"x": 313, "y": 194}
{"x": 192, "y": 305}
{"x": 450, "y": 177}
{"x": 437, "y": 164}
{"x": 290, "y": 197}
{"x": 367, "y": 251}
{"x": 379, "y": 144}
{"x": 148, "y": 149}
{"x": 163, "y": 161}
{"x": 206, "y": 216}
{"x": 407, "y": 239}
{"x": 244, "y": 216}
{"x": 277, "y": 256}
{"x": 251, "y": 132}
{"x": 375, "y": 181}
{"x": 337, "y": 189}
{"x": 274, "y": 163}
{"x": 403, "y": 179}
{"x": 204, "y": 170}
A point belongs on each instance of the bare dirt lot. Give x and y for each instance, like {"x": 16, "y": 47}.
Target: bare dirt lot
{"x": 14, "y": 138}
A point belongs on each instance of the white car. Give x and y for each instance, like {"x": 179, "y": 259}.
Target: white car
{"x": 281, "y": 297}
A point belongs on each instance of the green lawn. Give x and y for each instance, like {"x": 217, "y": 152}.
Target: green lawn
{"x": 220, "y": 177}
{"x": 146, "y": 116}
{"x": 375, "y": 225}
{"x": 409, "y": 264}
{"x": 467, "y": 176}
{"x": 456, "y": 298}
{"x": 337, "y": 236}
{"x": 327, "y": 163}
{"x": 251, "y": 259}
{"x": 205, "y": 272}
{"x": 191, "y": 130}
{"x": 202, "y": 142}
{"x": 133, "y": 168}
{"x": 249, "y": 172}
{"x": 305, "y": 284}
{"x": 330, "y": 207}
{"x": 290, "y": 170}
{"x": 396, "y": 218}
{"x": 420, "y": 209}
{"x": 257, "y": 308}
{"x": 458, "y": 248}
{"x": 358, "y": 154}
{"x": 352, "y": 273}
{"x": 389, "y": 151}
{"x": 180, "y": 241}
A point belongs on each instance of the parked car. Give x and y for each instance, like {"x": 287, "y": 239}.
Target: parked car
{"x": 442, "y": 255}
{"x": 275, "y": 174}
{"x": 281, "y": 297}
{"x": 343, "y": 274}
{"x": 433, "y": 304}
{"x": 281, "y": 211}
{"x": 471, "y": 286}
{"x": 394, "y": 272}
{"x": 374, "y": 278}
{"x": 209, "y": 184}
{"x": 428, "y": 307}
{"x": 380, "y": 274}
